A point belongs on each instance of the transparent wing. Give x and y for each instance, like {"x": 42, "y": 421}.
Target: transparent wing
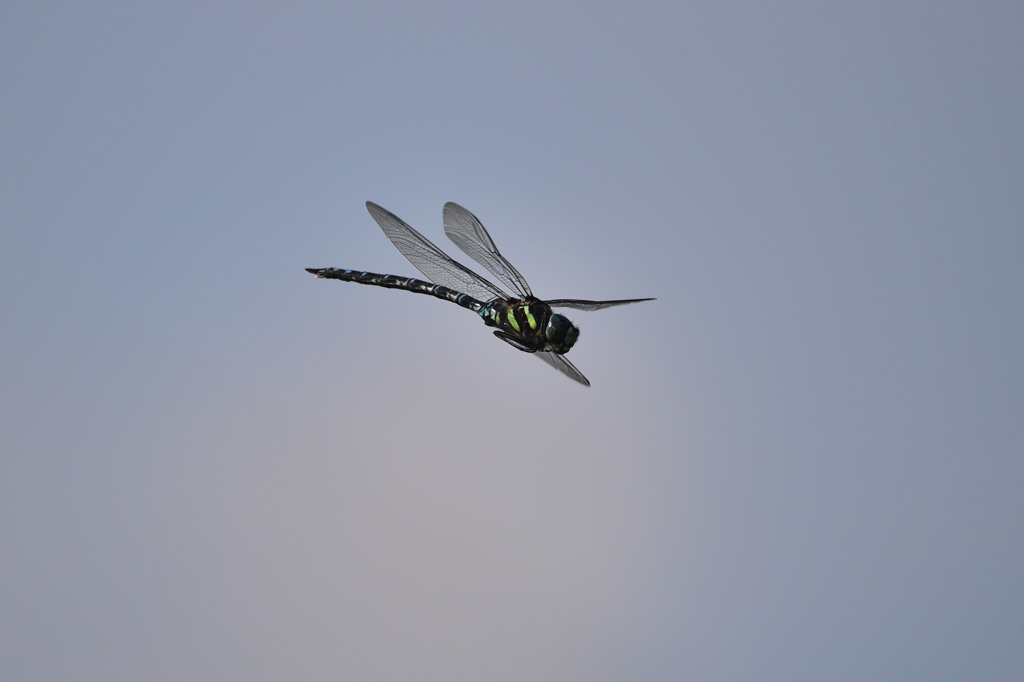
{"x": 434, "y": 263}
{"x": 559, "y": 362}
{"x": 592, "y": 305}
{"x": 562, "y": 364}
{"x": 468, "y": 233}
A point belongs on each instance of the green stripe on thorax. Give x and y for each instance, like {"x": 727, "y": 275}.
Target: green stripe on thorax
{"x": 511, "y": 316}
{"x": 530, "y": 319}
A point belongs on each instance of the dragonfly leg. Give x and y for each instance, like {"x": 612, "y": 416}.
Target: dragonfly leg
{"x": 515, "y": 341}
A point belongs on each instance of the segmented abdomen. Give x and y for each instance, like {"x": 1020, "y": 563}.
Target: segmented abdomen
{"x": 417, "y": 286}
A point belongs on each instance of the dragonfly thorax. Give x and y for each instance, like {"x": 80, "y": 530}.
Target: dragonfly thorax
{"x": 531, "y": 323}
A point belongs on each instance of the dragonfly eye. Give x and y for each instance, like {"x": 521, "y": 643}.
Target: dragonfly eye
{"x": 561, "y": 333}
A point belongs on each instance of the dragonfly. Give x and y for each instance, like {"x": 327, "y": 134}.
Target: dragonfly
{"x": 520, "y": 319}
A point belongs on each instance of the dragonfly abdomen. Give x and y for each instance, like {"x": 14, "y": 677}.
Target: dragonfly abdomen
{"x": 417, "y": 286}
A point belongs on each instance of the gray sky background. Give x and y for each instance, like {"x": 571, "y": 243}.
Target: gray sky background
{"x": 803, "y": 462}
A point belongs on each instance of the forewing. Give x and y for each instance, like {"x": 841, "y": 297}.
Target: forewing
{"x": 592, "y": 305}
{"x": 434, "y": 263}
{"x": 562, "y": 364}
{"x": 468, "y": 233}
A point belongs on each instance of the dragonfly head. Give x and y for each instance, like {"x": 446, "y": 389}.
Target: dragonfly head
{"x": 560, "y": 333}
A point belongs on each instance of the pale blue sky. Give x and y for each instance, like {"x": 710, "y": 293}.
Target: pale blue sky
{"x": 803, "y": 462}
